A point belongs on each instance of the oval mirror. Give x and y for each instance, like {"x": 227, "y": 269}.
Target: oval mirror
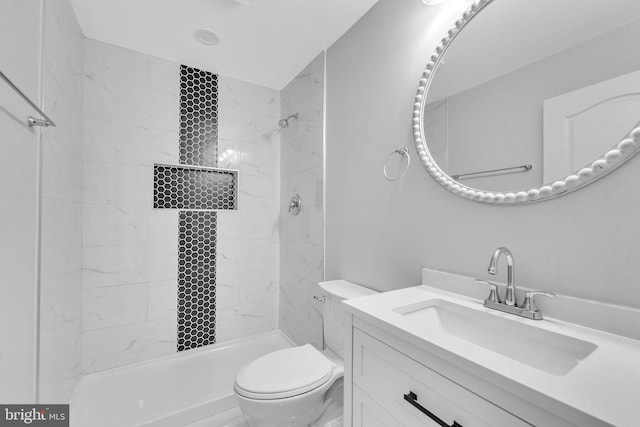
{"x": 524, "y": 100}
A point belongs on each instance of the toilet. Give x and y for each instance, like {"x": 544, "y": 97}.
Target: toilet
{"x": 295, "y": 386}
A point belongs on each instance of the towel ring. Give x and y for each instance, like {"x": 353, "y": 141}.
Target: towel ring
{"x": 404, "y": 152}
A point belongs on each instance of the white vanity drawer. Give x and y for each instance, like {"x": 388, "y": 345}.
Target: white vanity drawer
{"x": 369, "y": 413}
{"x": 388, "y": 375}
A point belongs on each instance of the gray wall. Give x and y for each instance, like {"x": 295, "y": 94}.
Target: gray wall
{"x": 378, "y": 233}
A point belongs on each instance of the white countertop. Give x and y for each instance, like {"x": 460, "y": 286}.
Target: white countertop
{"x": 605, "y": 385}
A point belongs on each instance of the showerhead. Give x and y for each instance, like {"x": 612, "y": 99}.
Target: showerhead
{"x": 284, "y": 123}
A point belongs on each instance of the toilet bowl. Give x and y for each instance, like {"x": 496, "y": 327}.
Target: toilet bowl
{"x": 293, "y": 387}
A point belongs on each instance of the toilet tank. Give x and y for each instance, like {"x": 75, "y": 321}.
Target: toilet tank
{"x": 333, "y": 315}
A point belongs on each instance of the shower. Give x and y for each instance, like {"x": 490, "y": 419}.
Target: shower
{"x": 284, "y": 123}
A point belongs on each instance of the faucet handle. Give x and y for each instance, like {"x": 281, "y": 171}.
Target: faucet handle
{"x": 529, "y": 303}
{"x": 494, "y": 296}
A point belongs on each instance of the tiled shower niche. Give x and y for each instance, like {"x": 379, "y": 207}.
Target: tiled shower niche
{"x": 194, "y": 188}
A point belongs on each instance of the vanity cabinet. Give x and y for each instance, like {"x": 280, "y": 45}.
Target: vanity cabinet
{"x": 391, "y": 383}
{"x": 387, "y": 378}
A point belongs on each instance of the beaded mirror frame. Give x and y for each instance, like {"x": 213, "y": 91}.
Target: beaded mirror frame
{"x": 606, "y": 163}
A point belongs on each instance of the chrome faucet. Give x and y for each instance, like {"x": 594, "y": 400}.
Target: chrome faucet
{"x": 510, "y": 305}
{"x": 510, "y": 296}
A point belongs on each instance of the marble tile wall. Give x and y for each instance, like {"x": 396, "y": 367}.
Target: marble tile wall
{"x": 302, "y": 236}
{"x": 248, "y": 242}
{"x": 61, "y": 230}
{"x": 130, "y": 253}
{"x": 129, "y": 250}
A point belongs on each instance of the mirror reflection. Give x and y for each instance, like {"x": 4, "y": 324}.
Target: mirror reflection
{"x": 533, "y": 90}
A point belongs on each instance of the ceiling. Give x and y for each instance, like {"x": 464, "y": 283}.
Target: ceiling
{"x": 266, "y": 43}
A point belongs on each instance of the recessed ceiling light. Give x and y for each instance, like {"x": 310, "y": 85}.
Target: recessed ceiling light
{"x": 245, "y": 2}
{"x": 207, "y": 37}
{"x": 433, "y": 2}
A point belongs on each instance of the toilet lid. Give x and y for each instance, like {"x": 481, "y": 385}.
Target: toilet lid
{"x": 284, "y": 373}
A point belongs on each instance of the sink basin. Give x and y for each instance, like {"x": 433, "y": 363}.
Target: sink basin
{"x": 539, "y": 348}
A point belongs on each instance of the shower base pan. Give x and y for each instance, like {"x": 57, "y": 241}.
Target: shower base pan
{"x": 174, "y": 390}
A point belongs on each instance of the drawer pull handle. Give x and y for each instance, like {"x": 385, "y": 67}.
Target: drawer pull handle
{"x": 413, "y": 399}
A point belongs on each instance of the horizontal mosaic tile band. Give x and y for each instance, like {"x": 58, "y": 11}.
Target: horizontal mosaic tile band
{"x": 194, "y": 188}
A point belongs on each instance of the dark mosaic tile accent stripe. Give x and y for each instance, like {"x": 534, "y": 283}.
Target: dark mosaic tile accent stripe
{"x": 197, "y": 230}
{"x": 178, "y": 187}
{"x": 196, "y": 279}
{"x": 198, "y": 117}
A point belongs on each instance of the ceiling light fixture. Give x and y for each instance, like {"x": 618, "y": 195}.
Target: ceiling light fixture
{"x": 433, "y": 2}
{"x": 245, "y": 2}
{"x": 207, "y": 37}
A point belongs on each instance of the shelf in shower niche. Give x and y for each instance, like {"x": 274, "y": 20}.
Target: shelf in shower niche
{"x": 194, "y": 188}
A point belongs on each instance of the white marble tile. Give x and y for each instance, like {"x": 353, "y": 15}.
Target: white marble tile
{"x": 163, "y": 300}
{"x": 307, "y": 226}
{"x": 58, "y": 392}
{"x": 247, "y": 255}
{"x": 304, "y": 260}
{"x": 228, "y": 226}
{"x": 301, "y": 236}
{"x": 310, "y": 117}
{"x": 309, "y": 81}
{"x": 243, "y": 320}
{"x": 61, "y": 268}
{"x": 61, "y": 302}
{"x": 61, "y": 215}
{"x": 61, "y": 228}
{"x": 163, "y": 262}
{"x": 61, "y": 17}
{"x": 115, "y": 143}
{"x": 296, "y": 227}
{"x": 247, "y": 113}
{"x": 238, "y": 126}
{"x": 129, "y": 264}
{"x": 259, "y": 223}
{"x": 163, "y": 226}
{"x": 68, "y": 133}
{"x": 257, "y": 286}
{"x": 63, "y": 47}
{"x": 250, "y": 159}
{"x": 122, "y": 345}
{"x": 257, "y": 192}
{"x": 308, "y": 184}
{"x": 114, "y": 265}
{"x": 114, "y": 306}
{"x": 300, "y": 315}
{"x": 243, "y": 96}
{"x": 260, "y": 160}
{"x": 61, "y": 172}
{"x": 114, "y": 224}
{"x": 164, "y": 146}
{"x": 67, "y": 113}
{"x": 227, "y": 289}
{"x": 131, "y": 105}
{"x": 303, "y": 153}
{"x": 230, "y": 154}
{"x": 164, "y": 75}
{"x": 59, "y": 350}
{"x": 114, "y": 64}
{"x": 117, "y": 184}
